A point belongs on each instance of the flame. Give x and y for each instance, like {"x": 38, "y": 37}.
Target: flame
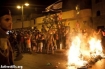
{"x": 74, "y": 57}
{"x": 95, "y": 46}
{"x": 76, "y": 53}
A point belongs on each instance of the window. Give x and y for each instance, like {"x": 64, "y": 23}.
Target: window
{"x": 98, "y": 13}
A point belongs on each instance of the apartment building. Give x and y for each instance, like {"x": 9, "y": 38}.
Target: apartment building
{"x": 98, "y": 13}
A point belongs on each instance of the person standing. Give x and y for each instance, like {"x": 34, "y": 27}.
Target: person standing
{"x": 6, "y": 52}
{"x": 50, "y": 42}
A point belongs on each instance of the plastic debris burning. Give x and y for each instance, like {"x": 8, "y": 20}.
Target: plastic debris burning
{"x": 84, "y": 51}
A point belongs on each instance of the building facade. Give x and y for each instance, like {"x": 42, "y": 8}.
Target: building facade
{"x": 74, "y": 12}
{"x": 98, "y": 13}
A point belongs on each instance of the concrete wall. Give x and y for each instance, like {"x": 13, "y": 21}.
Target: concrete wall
{"x": 98, "y": 20}
{"x": 29, "y": 21}
{"x": 38, "y": 22}
{"x": 84, "y": 19}
{"x": 69, "y": 14}
{"x": 25, "y": 24}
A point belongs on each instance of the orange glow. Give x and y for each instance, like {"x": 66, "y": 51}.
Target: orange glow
{"x": 74, "y": 54}
{"x": 95, "y": 46}
{"x": 18, "y": 7}
{"x": 78, "y": 51}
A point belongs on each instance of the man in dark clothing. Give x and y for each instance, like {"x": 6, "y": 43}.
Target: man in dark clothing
{"x": 6, "y": 53}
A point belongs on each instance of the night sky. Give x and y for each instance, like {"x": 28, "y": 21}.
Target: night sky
{"x": 36, "y": 6}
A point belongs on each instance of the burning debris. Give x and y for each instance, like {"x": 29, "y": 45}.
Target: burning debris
{"x": 82, "y": 55}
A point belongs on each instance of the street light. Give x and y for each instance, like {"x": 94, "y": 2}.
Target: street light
{"x": 21, "y": 7}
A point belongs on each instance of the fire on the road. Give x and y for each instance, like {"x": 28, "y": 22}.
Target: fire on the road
{"x": 81, "y": 51}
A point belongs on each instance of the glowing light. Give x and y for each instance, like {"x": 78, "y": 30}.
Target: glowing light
{"x": 79, "y": 55}
{"x": 95, "y": 47}
{"x": 74, "y": 54}
{"x": 18, "y": 7}
{"x": 26, "y": 4}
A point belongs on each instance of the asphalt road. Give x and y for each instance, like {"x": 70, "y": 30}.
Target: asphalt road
{"x": 43, "y": 61}
{"x": 50, "y": 61}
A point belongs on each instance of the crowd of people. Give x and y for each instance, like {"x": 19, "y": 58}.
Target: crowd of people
{"x": 33, "y": 40}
